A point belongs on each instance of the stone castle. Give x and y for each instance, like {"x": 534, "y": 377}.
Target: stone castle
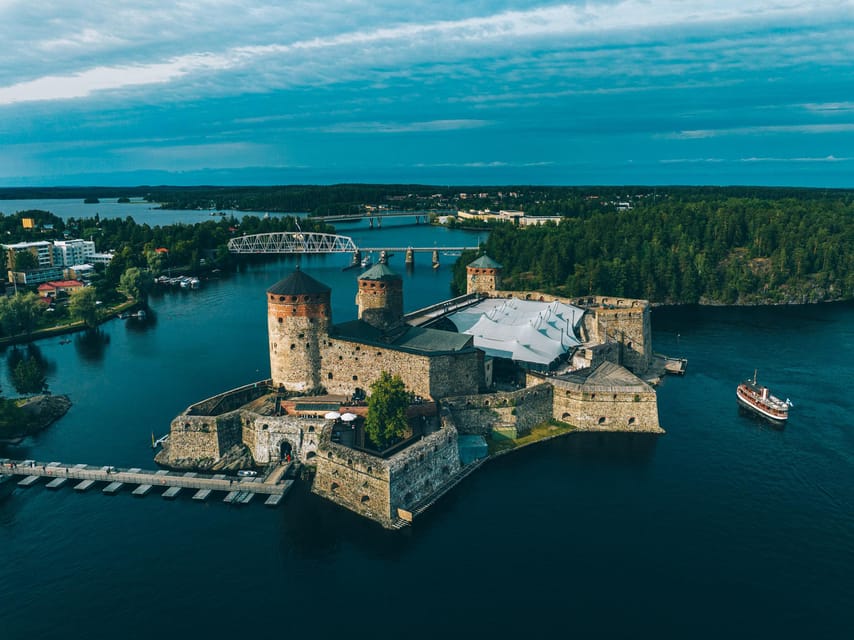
{"x": 465, "y": 387}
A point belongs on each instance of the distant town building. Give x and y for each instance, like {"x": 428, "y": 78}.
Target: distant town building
{"x": 52, "y": 258}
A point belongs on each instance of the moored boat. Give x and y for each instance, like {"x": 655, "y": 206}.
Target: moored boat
{"x": 758, "y": 399}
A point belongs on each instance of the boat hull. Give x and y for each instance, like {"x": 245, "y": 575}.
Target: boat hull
{"x": 760, "y": 411}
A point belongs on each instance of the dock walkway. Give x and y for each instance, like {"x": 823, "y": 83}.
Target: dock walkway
{"x": 172, "y": 481}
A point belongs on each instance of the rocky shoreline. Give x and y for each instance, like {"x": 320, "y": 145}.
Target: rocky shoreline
{"x": 41, "y": 411}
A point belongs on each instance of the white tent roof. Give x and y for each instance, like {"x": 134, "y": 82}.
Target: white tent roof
{"x": 524, "y": 330}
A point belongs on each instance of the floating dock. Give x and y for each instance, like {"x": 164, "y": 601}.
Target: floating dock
{"x": 112, "y": 488}
{"x": 56, "y": 483}
{"x": 142, "y": 489}
{"x": 171, "y": 493}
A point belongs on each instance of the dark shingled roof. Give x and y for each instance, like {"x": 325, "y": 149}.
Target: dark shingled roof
{"x": 411, "y": 339}
{"x": 485, "y": 262}
{"x": 379, "y": 271}
{"x": 298, "y": 283}
{"x": 606, "y": 376}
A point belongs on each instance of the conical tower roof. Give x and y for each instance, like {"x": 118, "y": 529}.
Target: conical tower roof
{"x": 379, "y": 271}
{"x": 485, "y": 262}
{"x": 298, "y": 283}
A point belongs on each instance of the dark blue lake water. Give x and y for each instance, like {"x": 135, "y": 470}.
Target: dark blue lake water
{"x": 723, "y": 527}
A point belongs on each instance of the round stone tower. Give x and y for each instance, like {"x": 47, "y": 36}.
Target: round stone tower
{"x": 380, "y": 297}
{"x": 483, "y": 275}
{"x": 298, "y": 319}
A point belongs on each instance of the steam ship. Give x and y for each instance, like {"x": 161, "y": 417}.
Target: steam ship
{"x": 758, "y": 399}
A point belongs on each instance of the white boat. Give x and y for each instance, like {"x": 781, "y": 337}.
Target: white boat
{"x": 246, "y": 473}
{"x": 758, "y": 399}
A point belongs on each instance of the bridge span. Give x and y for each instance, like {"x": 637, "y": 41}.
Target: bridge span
{"x": 238, "y": 489}
{"x": 298, "y": 242}
{"x": 377, "y": 216}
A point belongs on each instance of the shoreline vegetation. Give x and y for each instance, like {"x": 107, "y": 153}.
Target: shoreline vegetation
{"x": 713, "y": 246}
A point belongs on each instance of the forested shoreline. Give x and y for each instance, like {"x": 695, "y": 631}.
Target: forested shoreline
{"x": 727, "y": 250}
{"x": 670, "y": 245}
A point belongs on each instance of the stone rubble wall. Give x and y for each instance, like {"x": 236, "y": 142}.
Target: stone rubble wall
{"x": 606, "y": 409}
{"x": 375, "y": 487}
{"x": 264, "y": 436}
{"x": 346, "y": 366}
{"x": 202, "y": 438}
{"x": 523, "y": 408}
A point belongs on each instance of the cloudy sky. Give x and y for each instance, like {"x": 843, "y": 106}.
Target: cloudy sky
{"x": 436, "y": 92}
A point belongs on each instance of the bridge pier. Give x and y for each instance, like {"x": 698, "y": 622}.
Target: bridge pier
{"x": 409, "y": 261}
{"x": 435, "y": 258}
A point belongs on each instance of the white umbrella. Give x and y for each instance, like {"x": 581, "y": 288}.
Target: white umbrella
{"x": 332, "y": 415}
{"x": 349, "y": 417}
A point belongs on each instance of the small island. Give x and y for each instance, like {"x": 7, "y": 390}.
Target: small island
{"x": 24, "y": 417}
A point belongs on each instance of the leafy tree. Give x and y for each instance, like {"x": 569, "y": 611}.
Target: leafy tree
{"x": 20, "y": 313}
{"x": 136, "y": 283}
{"x": 386, "y": 421}
{"x": 82, "y": 306}
{"x": 29, "y": 376}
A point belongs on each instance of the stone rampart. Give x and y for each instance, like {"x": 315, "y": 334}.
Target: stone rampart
{"x": 605, "y": 408}
{"x": 523, "y": 408}
{"x": 200, "y": 440}
{"x": 229, "y": 400}
{"x": 375, "y": 487}
{"x": 349, "y": 365}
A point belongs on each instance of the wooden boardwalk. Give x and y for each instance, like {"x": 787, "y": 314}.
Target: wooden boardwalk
{"x": 144, "y": 481}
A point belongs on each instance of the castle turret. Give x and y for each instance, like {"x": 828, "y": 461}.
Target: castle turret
{"x": 483, "y": 275}
{"x": 299, "y": 315}
{"x": 380, "y": 297}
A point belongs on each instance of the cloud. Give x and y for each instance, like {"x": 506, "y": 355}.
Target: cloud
{"x": 190, "y": 45}
{"x": 763, "y": 130}
{"x": 404, "y": 127}
{"x": 822, "y": 159}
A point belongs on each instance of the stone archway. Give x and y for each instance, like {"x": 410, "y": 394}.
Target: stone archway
{"x": 286, "y": 450}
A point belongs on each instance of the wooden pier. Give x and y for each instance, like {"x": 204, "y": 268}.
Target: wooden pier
{"x": 237, "y": 490}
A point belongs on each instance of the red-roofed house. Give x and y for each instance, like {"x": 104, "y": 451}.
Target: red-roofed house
{"x": 51, "y": 289}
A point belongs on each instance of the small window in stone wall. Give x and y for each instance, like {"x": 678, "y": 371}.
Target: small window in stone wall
{"x": 602, "y": 420}
{"x": 310, "y": 455}
{"x": 565, "y": 416}
{"x": 365, "y": 499}
{"x": 301, "y": 336}
{"x": 281, "y": 319}
{"x": 293, "y": 346}
{"x": 329, "y": 455}
{"x": 355, "y": 378}
{"x": 311, "y": 429}
{"x": 329, "y": 376}
{"x": 632, "y": 420}
{"x": 264, "y": 427}
{"x": 370, "y": 469}
{"x": 334, "y": 486}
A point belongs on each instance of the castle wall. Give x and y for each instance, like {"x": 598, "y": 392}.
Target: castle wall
{"x": 264, "y": 436}
{"x": 200, "y": 440}
{"x": 375, "y": 487}
{"x": 604, "y": 408}
{"x": 346, "y": 366}
{"x": 523, "y": 408}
